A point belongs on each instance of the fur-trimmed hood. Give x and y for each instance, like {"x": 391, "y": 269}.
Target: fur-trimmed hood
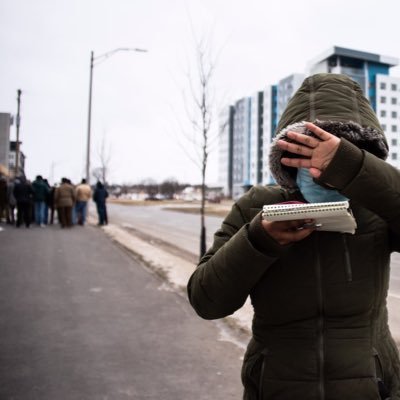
{"x": 336, "y": 104}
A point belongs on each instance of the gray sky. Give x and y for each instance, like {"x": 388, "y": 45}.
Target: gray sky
{"x": 137, "y": 97}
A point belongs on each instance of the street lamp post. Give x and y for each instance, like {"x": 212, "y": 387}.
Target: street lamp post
{"x": 93, "y": 61}
{"x": 17, "y": 149}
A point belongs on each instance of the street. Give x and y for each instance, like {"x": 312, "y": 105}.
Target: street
{"x": 81, "y": 319}
{"x": 157, "y": 222}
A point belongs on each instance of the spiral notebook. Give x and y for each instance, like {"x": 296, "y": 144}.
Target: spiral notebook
{"x": 334, "y": 216}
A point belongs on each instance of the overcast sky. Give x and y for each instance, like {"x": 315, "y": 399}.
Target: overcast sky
{"x": 138, "y": 107}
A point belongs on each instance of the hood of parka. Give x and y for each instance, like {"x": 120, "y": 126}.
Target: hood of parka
{"x": 336, "y": 104}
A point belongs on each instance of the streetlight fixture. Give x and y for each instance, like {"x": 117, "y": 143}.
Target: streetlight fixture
{"x": 94, "y": 61}
{"x": 17, "y": 149}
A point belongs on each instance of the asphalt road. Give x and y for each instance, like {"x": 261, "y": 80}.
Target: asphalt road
{"x": 81, "y": 319}
{"x": 183, "y": 230}
{"x": 177, "y": 228}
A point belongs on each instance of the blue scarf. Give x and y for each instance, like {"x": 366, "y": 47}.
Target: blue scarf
{"x": 313, "y": 192}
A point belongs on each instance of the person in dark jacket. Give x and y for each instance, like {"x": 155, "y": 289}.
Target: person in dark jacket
{"x": 40, "y": 193}
{"x": 23, "y": 194}
{"x": 3, "y": 198}
{"x": 320, "y": 326}
{"x": 99, "y": 197}
{"x": 51, "y": 203}
{"x": 11, "y": 203}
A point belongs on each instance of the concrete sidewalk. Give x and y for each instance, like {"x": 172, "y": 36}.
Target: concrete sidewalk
{"x": 82, "y": 319}
{"x": 177, "y": 271}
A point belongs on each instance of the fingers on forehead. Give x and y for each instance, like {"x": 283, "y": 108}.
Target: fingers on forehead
{"x": 303, "y": 139}
{"x": 296, "y": 162}
{"x": 298, "y": 149}
{"x": 317, "y": 130}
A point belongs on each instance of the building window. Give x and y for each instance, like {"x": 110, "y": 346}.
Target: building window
{"x": 383, "y": 99}
{"x": 394, "y": 128}
{"x": 394, "y": 142}
{"x": 383, "y": 113}
{"x": 394, "y": 100}
{"x": 394, "y": 114}
{"x": 394, "y": 86}
{"x": 384, "y": 127}
{"x": 394, "y": 156}
{"x": 383, "y": 85}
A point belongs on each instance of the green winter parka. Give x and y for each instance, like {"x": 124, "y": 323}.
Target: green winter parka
{"x": 320, "y": 326}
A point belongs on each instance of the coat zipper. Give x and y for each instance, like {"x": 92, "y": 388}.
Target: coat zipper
{"x": 320, "y": 324}
{"x": 348, "y": 269}
{"x": 380, "y": 377}
{"x": 261, "y": 384}
{"x": 378, "y": 365}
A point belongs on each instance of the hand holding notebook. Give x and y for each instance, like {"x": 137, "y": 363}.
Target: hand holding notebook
{"x": 334, "y": 216}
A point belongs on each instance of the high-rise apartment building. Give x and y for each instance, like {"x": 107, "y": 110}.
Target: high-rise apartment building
{"x": 388, "y": 110}
{"x": 225, "y": 143}
{"x": 270, "y": 121}
{"x": 256, "y": 138}
{"x": 256, "y": 117}
{"x": 286, "y": 89}
{"x": 241, "y": 146}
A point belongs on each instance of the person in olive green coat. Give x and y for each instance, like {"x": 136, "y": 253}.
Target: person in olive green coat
{"x": 320, "y": 326}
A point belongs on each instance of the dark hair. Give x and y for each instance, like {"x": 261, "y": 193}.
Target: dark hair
{"x": 83, "y": 180}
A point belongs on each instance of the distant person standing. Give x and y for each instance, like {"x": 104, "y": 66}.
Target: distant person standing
{"x": 99, "y": 197}
{"x": 11, "y": 203}
{"x": 23, "y": 194}
{"x": 47, "y": 202}
{"x": 51, "y": 203}
{"x": 3, "y": 198}
{"x": 40, "y": 192}
{"x": 64, "y": 199}
{"x": 83, "y": 193}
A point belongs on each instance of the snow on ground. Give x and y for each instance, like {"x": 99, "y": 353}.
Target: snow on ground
{"x": 177, "y": 272}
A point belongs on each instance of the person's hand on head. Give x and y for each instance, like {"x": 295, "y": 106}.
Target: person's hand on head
{"x": 318, "y": 152}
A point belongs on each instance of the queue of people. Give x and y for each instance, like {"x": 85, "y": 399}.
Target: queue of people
{"x": 25, "y": 203}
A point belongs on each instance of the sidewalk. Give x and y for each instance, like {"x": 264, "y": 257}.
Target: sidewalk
{"x": 176, "y": 271}
{"x": 81, "y": 319}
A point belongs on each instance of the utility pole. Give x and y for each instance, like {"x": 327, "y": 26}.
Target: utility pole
{"x": 89, "y": 120}
{"x": 93, "y": 61}
{"x": 17, "y": 124}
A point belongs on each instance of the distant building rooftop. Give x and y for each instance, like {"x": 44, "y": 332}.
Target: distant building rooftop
{"x": 361, "y": 55}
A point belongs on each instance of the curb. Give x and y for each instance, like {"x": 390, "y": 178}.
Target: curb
{"x": 176, "y": 271}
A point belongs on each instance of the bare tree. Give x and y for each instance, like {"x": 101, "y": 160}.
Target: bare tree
{"x": 101, "y": 173}
{"x": 169, "y": 187}
{"x": 200, "y": 108}
{"x": 97, "y": 173}
{"x": 150, "y": 186}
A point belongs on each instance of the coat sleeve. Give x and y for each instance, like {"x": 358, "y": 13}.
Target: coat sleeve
{"x": 232, "y": 266}
{"x": 369, "y": 181}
